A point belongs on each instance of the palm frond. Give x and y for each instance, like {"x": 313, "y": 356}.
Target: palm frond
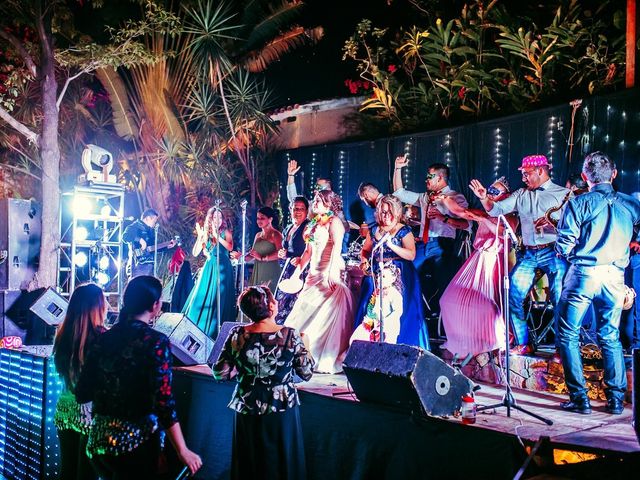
{"x": 123, "y": 120}
{"x": 264, "y": 20}
{"x": 258, "y": 60}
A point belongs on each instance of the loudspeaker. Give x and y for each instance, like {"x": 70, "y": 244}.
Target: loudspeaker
{"x": 223, "y": 334}
{"x": 20, "y": 230}
{"x": 9, "y": 327}
{"x": 50, "y": 307}
{"x": 406, "y": 377}
{"x": 34, "y": 314}
{"x": 189, "y": 344}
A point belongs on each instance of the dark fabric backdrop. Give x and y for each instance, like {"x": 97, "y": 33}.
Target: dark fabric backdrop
{"x": 485, "y": 150}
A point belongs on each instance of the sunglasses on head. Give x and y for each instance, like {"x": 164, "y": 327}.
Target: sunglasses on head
{"x": 491, "y": 190}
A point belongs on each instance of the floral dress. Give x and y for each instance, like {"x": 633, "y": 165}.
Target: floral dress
{"x": 266, "y": 402}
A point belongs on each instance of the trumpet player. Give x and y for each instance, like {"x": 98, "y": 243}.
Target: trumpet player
{"x": 538, "y": 237}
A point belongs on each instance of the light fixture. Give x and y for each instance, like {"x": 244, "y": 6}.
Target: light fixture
{"x": 104, "y": 262}
{"x": 81, "y": 234}
{"x": 80, "y": 259}
{"x": 82, "y": 206}
{"x": 97, "y": 163}
{"x": 102, "y": 278}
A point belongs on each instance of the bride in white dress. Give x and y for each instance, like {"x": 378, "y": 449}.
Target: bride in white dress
{"x": 324, "y": 308}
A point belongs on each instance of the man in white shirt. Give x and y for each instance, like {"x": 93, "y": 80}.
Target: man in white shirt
{"x": 435, "y": 256}
{"x": 538, "y": 238}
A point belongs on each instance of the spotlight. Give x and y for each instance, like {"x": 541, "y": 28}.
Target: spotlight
{"x": 105, "y": 211}
{"x": 104, "y": 262}
{"x": 80, "y": 259}
{"x": 102, "y": 278}
{"x": 82, "y": 206}
{"x": 97, "y": 163}
{"x": 81, "y": 234}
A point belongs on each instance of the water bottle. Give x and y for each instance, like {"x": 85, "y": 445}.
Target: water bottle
{"x": 468, "y": 410}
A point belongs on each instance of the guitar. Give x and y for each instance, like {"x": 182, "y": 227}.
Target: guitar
{"x": 138, "y": 253}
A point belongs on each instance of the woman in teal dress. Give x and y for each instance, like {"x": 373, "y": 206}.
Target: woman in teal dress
{"x": 264, "y": 253}
{"x": 200, "y": 306}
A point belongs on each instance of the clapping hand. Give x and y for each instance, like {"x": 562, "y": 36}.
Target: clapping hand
{"x": 282, "y": 253}
{"x": 434, "y": 214}
{"x": 478, "y": 189}
{"x": 635, "y": 246}
{"x": 402, "y": 161}
{"x": 292, "y": 167}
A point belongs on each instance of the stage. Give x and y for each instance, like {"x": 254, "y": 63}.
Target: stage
{"x": 345, "y": 438}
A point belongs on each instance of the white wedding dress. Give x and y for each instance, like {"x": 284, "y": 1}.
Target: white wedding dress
{"x": 325, "y": 315}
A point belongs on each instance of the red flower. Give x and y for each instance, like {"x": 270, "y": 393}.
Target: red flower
{"x": 461, "y": 93}
{"x": 391, "y": 68}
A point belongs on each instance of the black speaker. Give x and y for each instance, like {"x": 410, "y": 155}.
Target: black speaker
{"x": 189, "y": 344}
{"x": 636, "y": 391}
{"x": 406, "y": 377}
{"x": 9, "y": 327}
{"x": 223, "y": 334}
{"x": 20, "y": 231}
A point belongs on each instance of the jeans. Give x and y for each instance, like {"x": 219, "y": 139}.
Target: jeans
{"x": 521, "y": 281}
{"x": 602, "y": 285}
{"x": 434, "y": 261}
{"x": 142, "y": 269}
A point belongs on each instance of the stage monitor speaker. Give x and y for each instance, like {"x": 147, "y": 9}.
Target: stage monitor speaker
{"x": 406, "y": 377}
{"x": 189, "y": 344}
{"x": 9, "y": 327}
{"x": 37, "y": 313}
{"x": 223, "y": 334}
{"x": 20, "y": 231}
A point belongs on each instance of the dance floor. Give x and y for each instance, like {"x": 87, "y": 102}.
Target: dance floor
{"x": 348, "y": 439}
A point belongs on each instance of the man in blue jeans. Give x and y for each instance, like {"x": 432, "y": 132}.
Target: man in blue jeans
{"x": 594, "y": 235}
{"x": 538, "y": 237}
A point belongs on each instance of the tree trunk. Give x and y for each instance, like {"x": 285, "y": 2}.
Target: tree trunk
{"x": 50, "y": 157}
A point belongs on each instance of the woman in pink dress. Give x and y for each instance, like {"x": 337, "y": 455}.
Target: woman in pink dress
{"x": 324, "y": 308}
{"x": 471, "y": 306}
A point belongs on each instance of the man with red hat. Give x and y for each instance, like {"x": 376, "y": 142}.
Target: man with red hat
{"x": 538, "y": 236}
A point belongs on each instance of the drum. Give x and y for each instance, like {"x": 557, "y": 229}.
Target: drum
{"x": 353, "y": 279}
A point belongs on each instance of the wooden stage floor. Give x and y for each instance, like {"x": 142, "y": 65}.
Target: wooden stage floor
{"x": 598, "y": 433}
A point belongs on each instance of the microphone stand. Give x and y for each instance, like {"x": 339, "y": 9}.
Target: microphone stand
{"x": 508, "y": 400}
{"x": 217, "y": 209}
{"x": 155, "y": 250}
{"x": 380, "y": 249}
{"x": 243, "y": 206}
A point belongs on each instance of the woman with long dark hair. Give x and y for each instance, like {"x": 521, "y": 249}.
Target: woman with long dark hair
{"x": 267, "y": 434}
{"x": 201, "y": 305}
{"x": 81, "y": 326}
{"x": 127, "y": 376}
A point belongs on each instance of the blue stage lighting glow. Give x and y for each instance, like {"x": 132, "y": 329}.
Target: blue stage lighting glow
{"x": 102, "y": 278}
{"x": 82, "y": 206}
{"x": 80, "y": 259}
{"x": 81, "y": 234}
{"x": 104, "y": 262}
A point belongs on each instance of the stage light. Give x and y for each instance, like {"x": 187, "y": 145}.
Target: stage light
{"x": 104, "y": 262}
{"x": 102, "y": 278}
{"x": 105, "y": 211}
{"x": 82, "y": 206}
{"x": 97, "y": 163}
{"x": 80, "y": 259}
{"x": 81, "y": 234}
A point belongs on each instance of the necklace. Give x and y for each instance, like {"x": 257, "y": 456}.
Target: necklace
{"x": 321, "y": 219}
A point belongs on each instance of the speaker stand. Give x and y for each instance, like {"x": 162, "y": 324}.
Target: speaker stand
{"x": 508, "y": 400}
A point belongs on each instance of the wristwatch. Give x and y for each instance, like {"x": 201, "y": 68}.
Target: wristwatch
{"x": 446, "y": 218}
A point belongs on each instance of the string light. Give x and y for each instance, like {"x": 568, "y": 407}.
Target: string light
{"x": 312, "y": 180}
{"x": 447, "y": 146}
{"x": 342, "y": 158}
{"x": 497, "y": 156}
{"x": 407, "y": 151}
{"x": 550, "y": 132}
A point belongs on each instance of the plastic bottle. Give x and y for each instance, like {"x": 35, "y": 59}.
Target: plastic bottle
{"x": 468, "y": 410}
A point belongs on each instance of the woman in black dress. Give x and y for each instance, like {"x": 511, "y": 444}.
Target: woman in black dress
{"x": 267, "y": 437}
{"x": 127, "y": 376}
{"x": 82, "y": 325}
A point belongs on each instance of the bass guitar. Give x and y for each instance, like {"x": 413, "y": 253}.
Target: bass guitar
{"x": 138, "y": 253}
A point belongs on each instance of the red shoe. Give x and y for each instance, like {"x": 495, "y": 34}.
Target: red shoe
{"x": 521, "y": 350}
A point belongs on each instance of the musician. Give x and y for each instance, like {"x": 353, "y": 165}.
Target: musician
{"x": 435, "y": 245}
{"x": 594, "y": 235}
{"x": 370, "y": 195}
{"x": 538, "y": 235}
{"x": 141, "y": 236}
{"x": 293, "y": 246}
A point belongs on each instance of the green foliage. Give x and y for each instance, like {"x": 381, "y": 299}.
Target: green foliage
{"x": 486, "y": 60}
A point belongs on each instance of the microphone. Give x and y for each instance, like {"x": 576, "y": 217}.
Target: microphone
{"x": 508, "y": 229}
{"x": 382, "y": 241}
{"x": 243, "y": 204}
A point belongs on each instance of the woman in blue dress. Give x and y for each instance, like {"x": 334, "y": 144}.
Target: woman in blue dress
{"x": 399, "y": 249}
{"x": 200, "y": 306}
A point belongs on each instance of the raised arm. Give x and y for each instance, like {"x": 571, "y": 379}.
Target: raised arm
{"x": 292, "y": 169}
{"x": 400, "y": 163}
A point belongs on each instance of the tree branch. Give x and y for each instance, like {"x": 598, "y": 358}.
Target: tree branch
{"x": 28, "y": 60}
{"x": 20, "y": 170}
{"x": 66, "y": 85}
{"x": 32, "y": 136}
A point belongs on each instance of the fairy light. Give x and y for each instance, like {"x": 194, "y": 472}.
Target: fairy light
{"x": 497, "y": 156}
{"x": 447, "y": 146}
{"x": 550, "y": 132}
{"x": 342, "y": 157}
{"x": 312, "y": 180}
{"x": 407, "y": 151}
